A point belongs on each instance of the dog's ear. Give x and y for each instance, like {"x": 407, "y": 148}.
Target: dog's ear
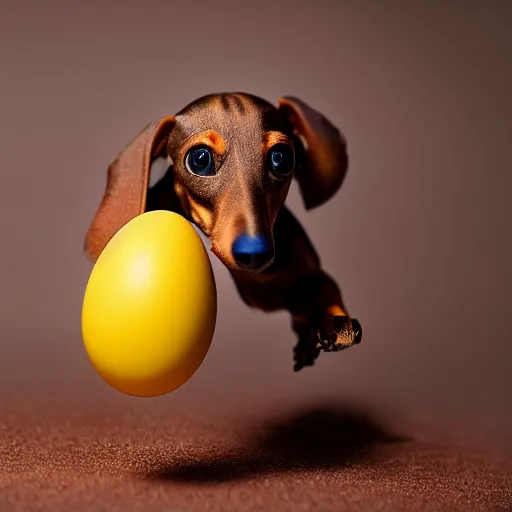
{"x": 127, "y": 185}
{"x": 325, "y": 158}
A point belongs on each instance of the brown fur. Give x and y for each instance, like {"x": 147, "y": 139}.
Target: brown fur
{"x": 243, "y": 197}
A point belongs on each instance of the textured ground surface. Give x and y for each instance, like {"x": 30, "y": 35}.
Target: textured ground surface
{"x": 318, "y": 459}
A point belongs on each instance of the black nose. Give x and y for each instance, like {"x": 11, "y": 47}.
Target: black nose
{"x": 252, "y": 252}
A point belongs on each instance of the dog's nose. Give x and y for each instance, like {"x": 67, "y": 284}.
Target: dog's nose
{"x": 252, "y": 252}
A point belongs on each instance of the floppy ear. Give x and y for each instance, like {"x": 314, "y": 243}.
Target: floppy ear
{"x": 127, "y": 185}
{"x": 325, "y": 155}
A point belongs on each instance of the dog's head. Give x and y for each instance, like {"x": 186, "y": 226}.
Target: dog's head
{"x": 233, "y": 158}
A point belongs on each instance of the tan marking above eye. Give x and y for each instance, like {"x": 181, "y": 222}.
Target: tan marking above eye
{"x": 272, "y": 137}
{"x": 208, "y": 138}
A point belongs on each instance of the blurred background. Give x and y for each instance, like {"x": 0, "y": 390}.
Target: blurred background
{"x": 418, "y": 237}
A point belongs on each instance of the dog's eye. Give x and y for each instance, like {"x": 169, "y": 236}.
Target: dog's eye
{"x": 281, "y": 160}
{"x": 199, "y": 160}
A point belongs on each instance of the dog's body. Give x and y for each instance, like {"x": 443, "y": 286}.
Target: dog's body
{"x": 233, "y": 158}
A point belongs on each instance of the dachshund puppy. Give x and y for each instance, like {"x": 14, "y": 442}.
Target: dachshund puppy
{"x": 233, "y": 159}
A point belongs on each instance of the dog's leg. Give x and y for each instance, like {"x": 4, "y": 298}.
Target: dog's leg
{"x": 296, "y": 282}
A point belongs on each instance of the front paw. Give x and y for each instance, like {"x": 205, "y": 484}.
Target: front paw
{"x": 305, "y": 353}
{"x": 338, "y": 333}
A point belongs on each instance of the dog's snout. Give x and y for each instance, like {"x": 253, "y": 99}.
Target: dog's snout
{"x": 252, "y": 252}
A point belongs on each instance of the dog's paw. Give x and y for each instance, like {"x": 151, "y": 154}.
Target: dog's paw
{"x": 338, "y": 333}
{"x": 305, "y": 353}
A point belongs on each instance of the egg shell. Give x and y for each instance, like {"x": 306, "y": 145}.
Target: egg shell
{"x": 150, "y": 306}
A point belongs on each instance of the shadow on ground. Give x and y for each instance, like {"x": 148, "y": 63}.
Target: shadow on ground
{"x": 320, "y": 438}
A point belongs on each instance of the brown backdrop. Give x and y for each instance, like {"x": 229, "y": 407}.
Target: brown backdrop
{"x": 418, "y": 238}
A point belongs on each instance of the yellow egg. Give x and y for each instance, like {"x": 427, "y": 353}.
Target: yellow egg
{"x": 150, "y": 306}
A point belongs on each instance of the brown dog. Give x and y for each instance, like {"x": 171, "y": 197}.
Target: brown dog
{"x": 233, "y": 159}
